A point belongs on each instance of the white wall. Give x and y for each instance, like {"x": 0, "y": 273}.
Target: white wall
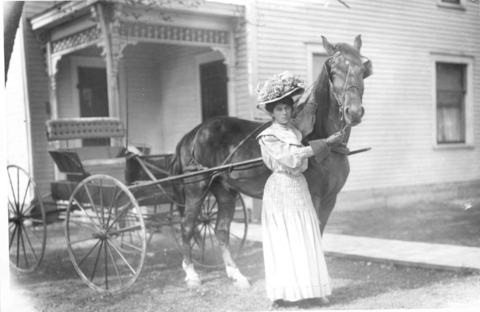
{"x": 399, "y": 37}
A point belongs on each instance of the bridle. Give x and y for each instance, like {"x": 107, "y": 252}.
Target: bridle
{"x": 341, "y": 97}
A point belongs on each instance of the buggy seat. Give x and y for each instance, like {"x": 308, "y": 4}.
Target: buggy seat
{"x": 80, "y": 162}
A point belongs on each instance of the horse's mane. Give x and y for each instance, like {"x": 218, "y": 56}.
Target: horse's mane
{"x": 320, "y": 94}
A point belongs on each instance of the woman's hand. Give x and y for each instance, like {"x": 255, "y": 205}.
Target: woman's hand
{"x": 335, "y": 138}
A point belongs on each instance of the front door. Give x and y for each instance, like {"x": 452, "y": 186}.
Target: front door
{"x": 93, "y": 94}
{"x": 213, "y": 85}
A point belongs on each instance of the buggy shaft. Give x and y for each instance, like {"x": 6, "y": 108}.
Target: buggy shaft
{"x": 196, "y": 173}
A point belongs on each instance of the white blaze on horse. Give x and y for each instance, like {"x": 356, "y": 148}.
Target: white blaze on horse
{"x": 220, "y": 140}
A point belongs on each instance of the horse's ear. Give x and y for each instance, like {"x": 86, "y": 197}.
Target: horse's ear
{"x": 368, "y": 69}
{"x": 358, "y": 43}
{"x": 328, "y": 47}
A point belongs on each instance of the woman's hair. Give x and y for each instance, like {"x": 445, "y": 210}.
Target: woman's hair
{"x": 286, "y": 100}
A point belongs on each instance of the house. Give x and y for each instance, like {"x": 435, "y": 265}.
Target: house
{"x": 165, "y": 70}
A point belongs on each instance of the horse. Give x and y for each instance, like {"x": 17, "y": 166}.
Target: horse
{"x": 338, "y": 91}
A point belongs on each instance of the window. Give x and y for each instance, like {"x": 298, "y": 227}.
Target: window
{"x": 316, "y": 57}
{"x": 318, "y": 62}
{"x": 453, "y": 102}
{"x": 451, "y": 4}
{"x": 450, "y": 103}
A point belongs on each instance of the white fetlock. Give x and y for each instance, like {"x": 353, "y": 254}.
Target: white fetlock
{"x": 192, "y": 278}
{"x": 240, "y": 280}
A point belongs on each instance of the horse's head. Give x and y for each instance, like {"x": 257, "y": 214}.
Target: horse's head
{"x": 346, "y": 70}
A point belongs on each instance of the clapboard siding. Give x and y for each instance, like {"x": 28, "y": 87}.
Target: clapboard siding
{"x": 179, "y": 93}
{"x": 242, "y": 100}
{"x": 38, "y": 97}
{"x": 399, "y": 37}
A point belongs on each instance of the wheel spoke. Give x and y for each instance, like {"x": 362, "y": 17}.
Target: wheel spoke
{"x": 114, "y": 264}
{"x": 81, "y": 225}
{"x": 18, "y": 242}
{"x": 213, "y": 244}
{"x": 96, "y": 261}
{"x": 24, "y": 252}
{"x": 12, "y": 210}
{"x": 204, "y": 239}
{"x": 29, "y": 243}
{"x": 32, "y": 234}
{"x": 231, "y": 234}
{"x": 106, "y": 263}
{"x": 118, "y": 216}
{"x": 126, "y": 244}
{"x": 85, "y": 212}
{"x": 25, "y": 195}
{"x": 123, "y": 258}
{"x": 195, "y": 240}
{"x": 35, "y": 220}
{"x": 13, "y": 235}
{"x": 213, "y": 211}
{"x": 91, "y": 201}
{"x": 18, "y": 190}
{"x": 81, "y": 240}
{"x": 127, "y": 229}
{"x": 13, "y": 191}
{"x": 29, "y": 209}
{"x": 88, "y": 253}
{"x": 111, "y": 204}
{"x": 103, "y": 213}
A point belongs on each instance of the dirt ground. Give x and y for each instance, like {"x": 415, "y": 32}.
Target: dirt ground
{"x": 357, "y": 285}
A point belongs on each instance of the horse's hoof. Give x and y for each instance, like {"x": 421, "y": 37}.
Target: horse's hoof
{"x": 193, "y": 284}
{"x": 242, "y": 284}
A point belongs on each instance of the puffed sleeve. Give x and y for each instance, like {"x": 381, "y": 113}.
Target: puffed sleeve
{"x": 288, "y": 155}
{"x": 305, "y": 120}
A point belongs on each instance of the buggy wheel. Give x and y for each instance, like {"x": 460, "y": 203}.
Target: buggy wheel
{"x": 105, "y": 233}
{"x": 205, "y": 250}
{"x": 27, "y": 225}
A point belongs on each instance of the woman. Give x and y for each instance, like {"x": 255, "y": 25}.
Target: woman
{"x": 295, "y": 266}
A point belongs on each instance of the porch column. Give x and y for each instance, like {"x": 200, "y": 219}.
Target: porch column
{"x": 110, "y": 58}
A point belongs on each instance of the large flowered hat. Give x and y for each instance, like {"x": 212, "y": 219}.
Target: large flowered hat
{"x": 277, "y": 88}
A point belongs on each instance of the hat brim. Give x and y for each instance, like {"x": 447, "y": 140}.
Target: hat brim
{"x": 296, "y": 91}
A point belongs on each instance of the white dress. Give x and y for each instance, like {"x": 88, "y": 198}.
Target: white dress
{"x": 295, "y": 266}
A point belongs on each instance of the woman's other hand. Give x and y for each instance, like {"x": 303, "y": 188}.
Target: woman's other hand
{"x": 335, "y": 138}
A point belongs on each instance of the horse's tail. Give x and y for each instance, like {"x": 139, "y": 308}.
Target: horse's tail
{"x": 175, "y": 168}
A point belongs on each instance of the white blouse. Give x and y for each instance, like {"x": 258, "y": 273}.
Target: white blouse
{"x": 282, "y": 150}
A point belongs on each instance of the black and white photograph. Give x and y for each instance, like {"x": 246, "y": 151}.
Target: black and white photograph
{"x": 240, "y": 155}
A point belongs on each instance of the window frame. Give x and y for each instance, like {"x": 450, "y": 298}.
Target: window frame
{"x": 468, "y": 99}
{"x": 445, "y": 5}
{"x": 313, "y": 48}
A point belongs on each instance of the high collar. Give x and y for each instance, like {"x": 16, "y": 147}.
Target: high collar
{"x": 278, "y": 125}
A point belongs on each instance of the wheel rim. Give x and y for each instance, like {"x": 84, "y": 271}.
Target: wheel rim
{"x": 205, "y": 250}
{"x": 26, "y": 221}
{"x": 105, "y": 234}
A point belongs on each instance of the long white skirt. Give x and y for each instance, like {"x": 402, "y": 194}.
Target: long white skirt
{"x": 295, "y": 266}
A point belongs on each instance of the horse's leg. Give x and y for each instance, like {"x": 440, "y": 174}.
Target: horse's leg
{"x": 193, "y": 204}
{"x": 326, "y": 207}
{"x": 226, "y": 198}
